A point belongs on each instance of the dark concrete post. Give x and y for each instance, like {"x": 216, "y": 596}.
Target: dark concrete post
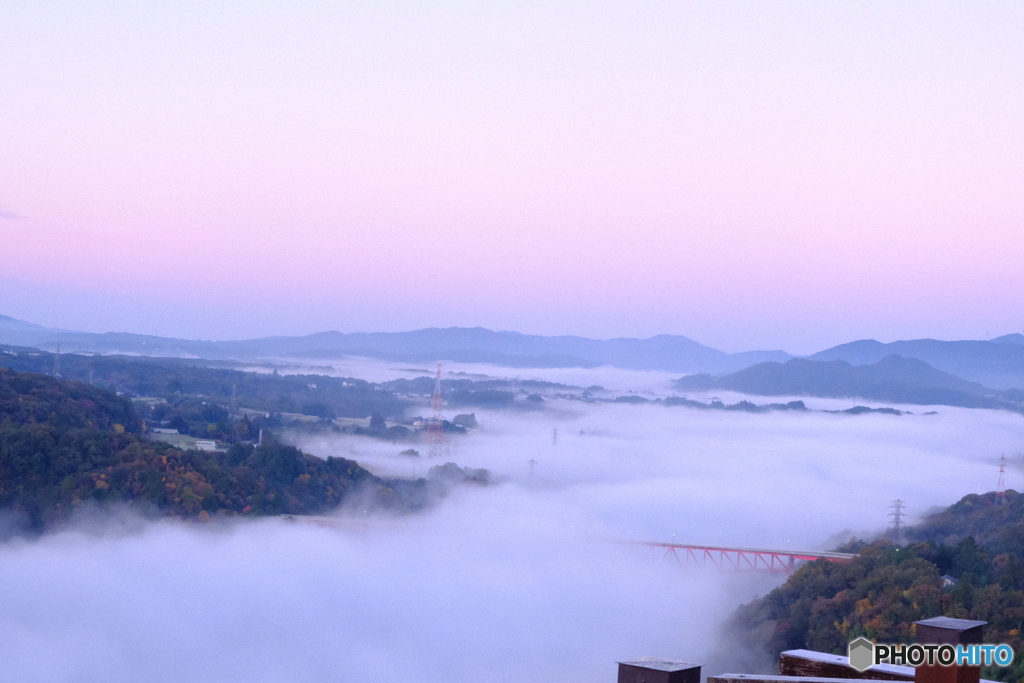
{"x": 656, "y": 670}
{"x": 946, "y": 631}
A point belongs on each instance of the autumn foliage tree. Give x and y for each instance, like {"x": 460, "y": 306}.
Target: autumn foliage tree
{"x": 886, "y": 588}
{"x": 66, "y": 445}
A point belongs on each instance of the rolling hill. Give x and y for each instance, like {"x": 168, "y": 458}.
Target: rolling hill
{"x": 892, "y": 379}
{"x": 66, "y": 446}
{"x": 671, "y": 353}
{"x": 998, "y": 363}
{"x": 966, "y": 562}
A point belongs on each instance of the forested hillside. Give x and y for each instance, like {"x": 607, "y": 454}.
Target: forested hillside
{"x": 172, "y": 378}
{"x": 65, "y": 445}
{"x": 201, "y": 393}
{"x": 976, "y": 542}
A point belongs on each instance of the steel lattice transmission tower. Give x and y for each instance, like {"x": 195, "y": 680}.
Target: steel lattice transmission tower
{"x": 896, "y": 527}
{"x": 1001, "y": 486}
{"x": 435, "y": 427}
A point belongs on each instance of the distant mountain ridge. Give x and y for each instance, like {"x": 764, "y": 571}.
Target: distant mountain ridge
{"x": 9, "y": 323}
{"x": 671, "y": 353}
{"x": 892, "y": 379}
{"x": 998, "y": 363}
{"x": 1014, "y": 338}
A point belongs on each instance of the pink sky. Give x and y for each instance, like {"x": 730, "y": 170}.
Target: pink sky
{"x": 750, "y": 175}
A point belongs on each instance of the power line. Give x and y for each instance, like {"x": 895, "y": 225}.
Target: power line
{"x": 1001, "y": 486}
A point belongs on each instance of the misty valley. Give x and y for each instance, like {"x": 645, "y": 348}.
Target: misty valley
{"x": 389, "y": 518}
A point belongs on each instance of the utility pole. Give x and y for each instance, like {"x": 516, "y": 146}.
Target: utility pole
{"x": 897, "y": 514}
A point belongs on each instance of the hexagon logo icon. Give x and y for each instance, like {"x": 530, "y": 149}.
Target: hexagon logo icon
{"x": 862, "y": 654}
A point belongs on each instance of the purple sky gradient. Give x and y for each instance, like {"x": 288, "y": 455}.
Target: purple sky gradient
{"x": 750, "y": 175}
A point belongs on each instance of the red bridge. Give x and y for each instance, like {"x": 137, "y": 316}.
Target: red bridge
{"x": 745, "y": 558}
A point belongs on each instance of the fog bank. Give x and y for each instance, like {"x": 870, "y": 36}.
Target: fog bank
{"x": 776, "y": 479}
{"x": 525, "y": 579}
{"x": 491, "y": 586}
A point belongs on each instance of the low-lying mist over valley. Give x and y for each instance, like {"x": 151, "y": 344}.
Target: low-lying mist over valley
{"x": 520, "y": 561}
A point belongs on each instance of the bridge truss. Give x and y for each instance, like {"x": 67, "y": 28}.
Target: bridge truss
{"x": 761, "y": 559}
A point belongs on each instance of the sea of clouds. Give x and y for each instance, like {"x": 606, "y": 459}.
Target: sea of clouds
{"x": 533, "y": 578}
